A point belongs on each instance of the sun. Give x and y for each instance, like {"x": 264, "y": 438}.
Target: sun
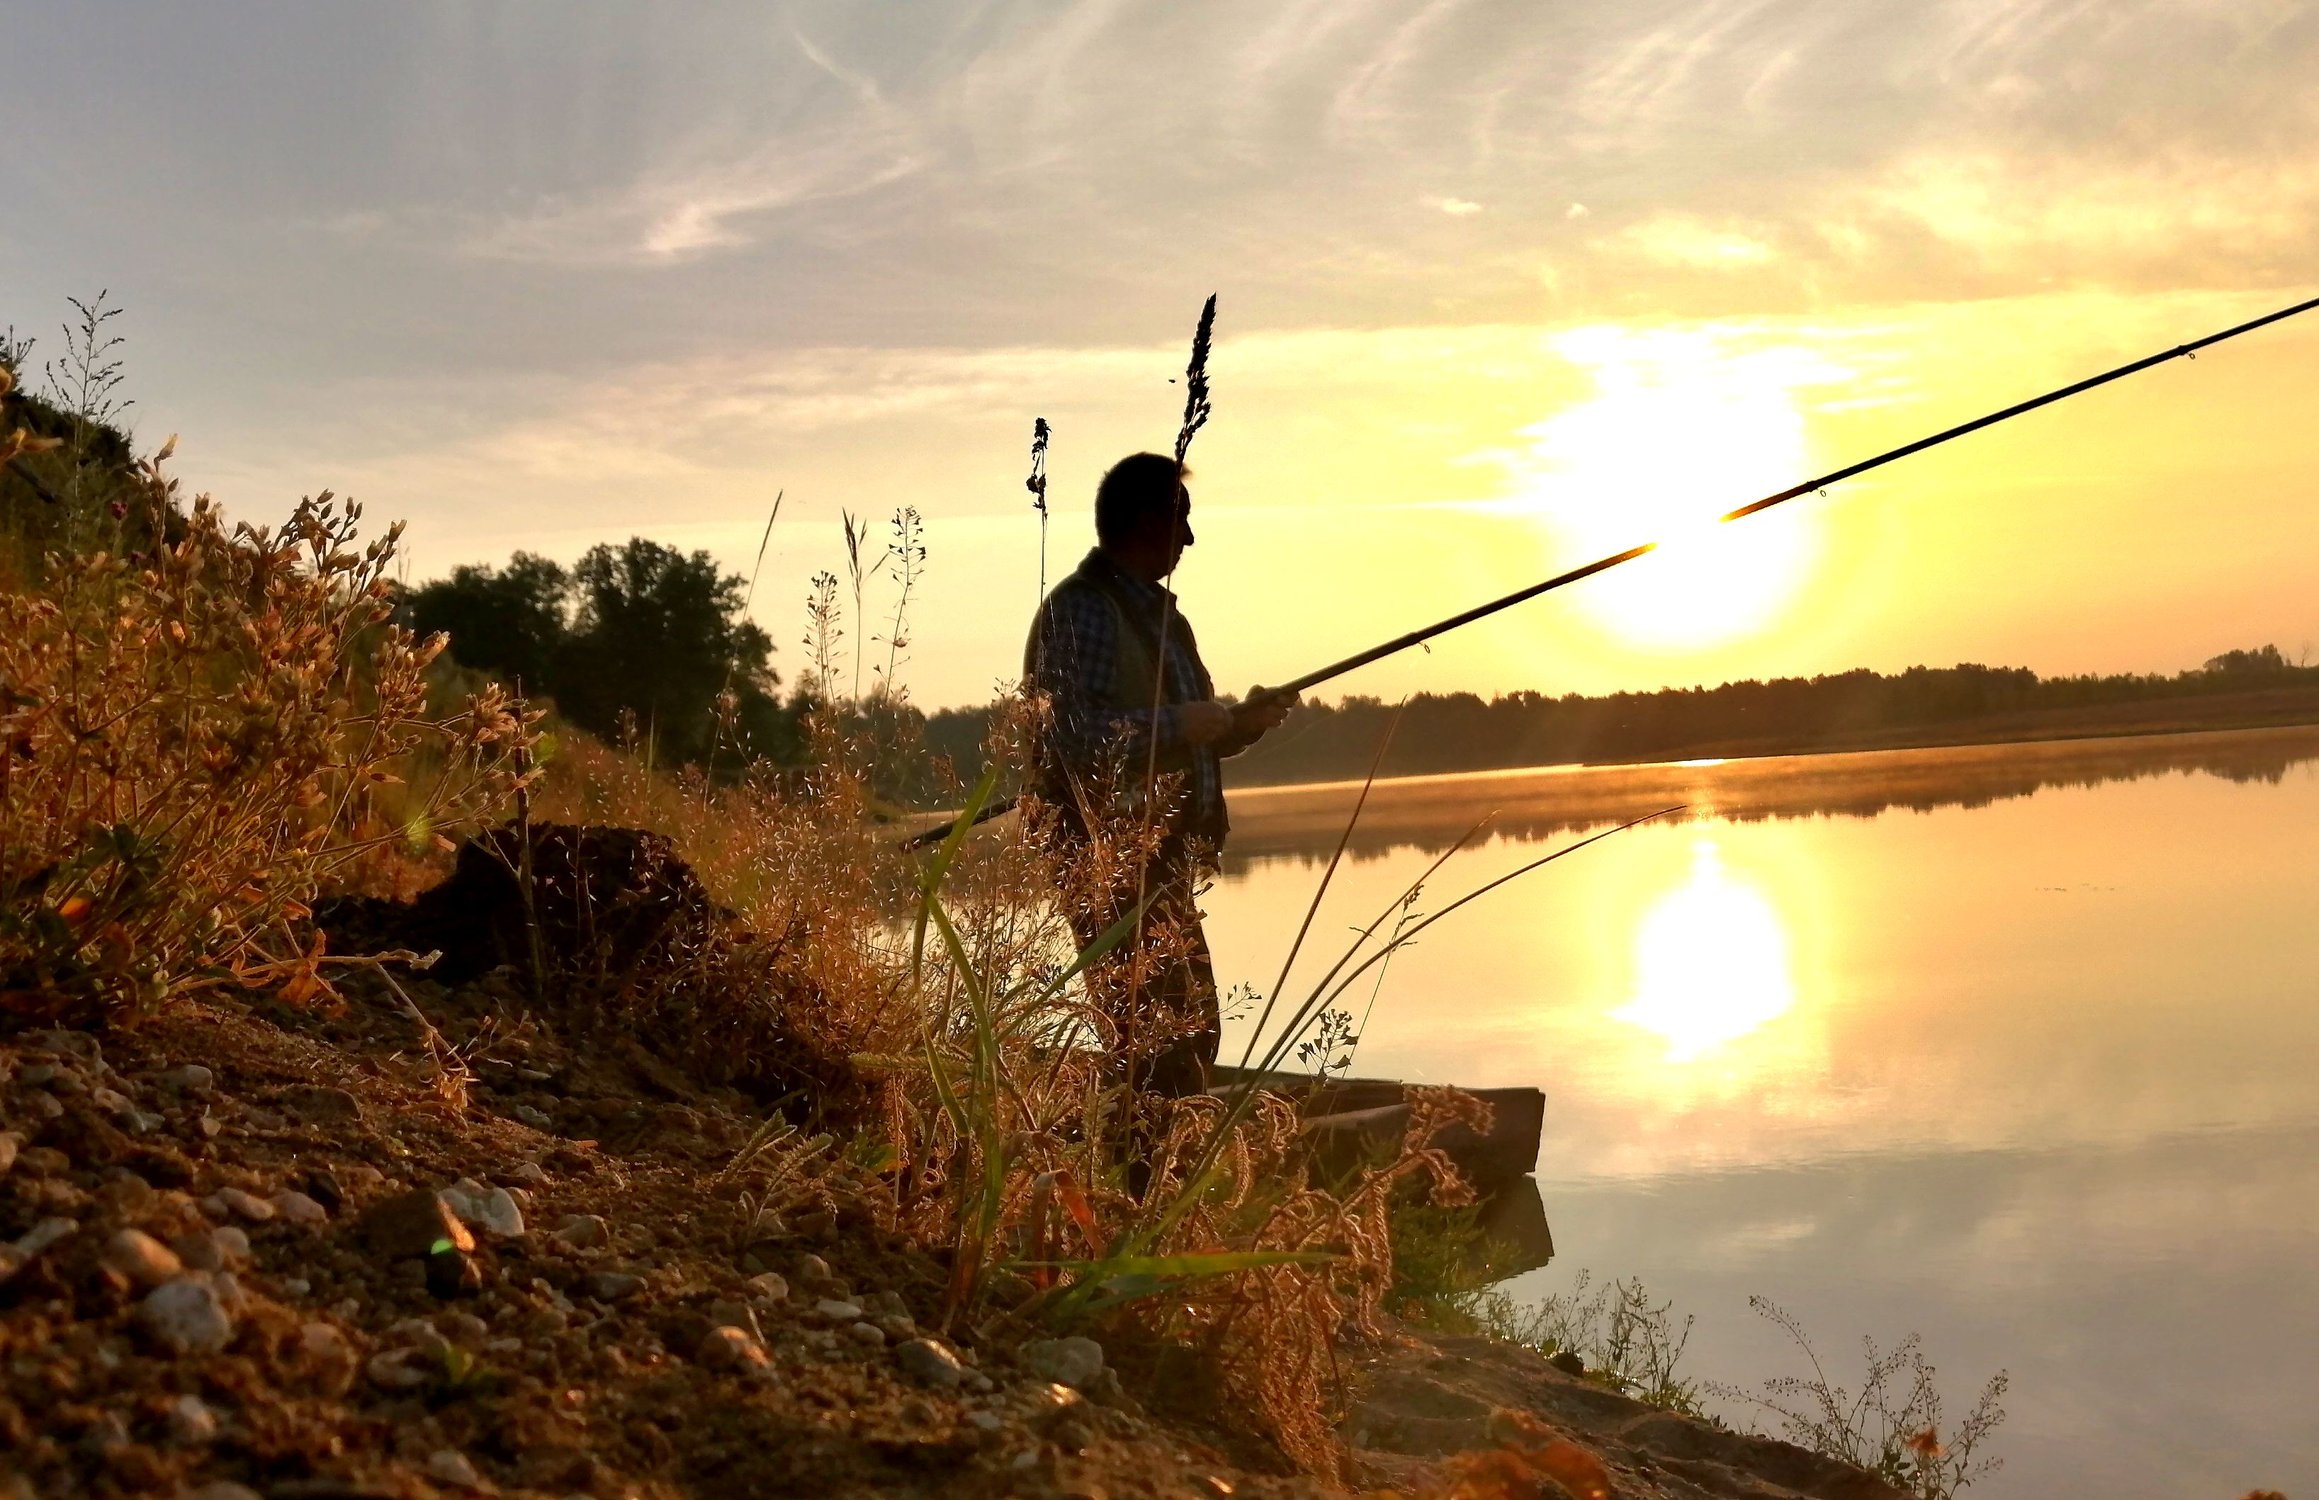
{"x": 1682, "y": 427}
{"x": 1711, "y": 962}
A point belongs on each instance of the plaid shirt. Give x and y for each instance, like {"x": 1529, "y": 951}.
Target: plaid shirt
{"x": 1073, "y": 659}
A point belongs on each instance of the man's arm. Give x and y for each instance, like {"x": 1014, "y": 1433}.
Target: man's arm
{"x": 1075, "y": 668}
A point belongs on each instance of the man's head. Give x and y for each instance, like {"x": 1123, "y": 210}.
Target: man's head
{"x": 1143, "y": 514}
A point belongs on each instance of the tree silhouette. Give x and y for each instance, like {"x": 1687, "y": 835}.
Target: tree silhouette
{"x": 658, "y": 633}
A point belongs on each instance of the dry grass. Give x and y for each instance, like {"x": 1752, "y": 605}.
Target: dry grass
{"x": 197, "y": 737}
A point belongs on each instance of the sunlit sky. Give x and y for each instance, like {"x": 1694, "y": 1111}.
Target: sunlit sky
{"x": 1503, "y": 285}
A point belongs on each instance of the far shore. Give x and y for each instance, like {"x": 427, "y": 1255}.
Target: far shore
{"x": 1537, "y": 801}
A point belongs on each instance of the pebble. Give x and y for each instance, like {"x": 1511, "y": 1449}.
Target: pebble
{"x": 537, "y": 1119}
{"x": 142, "y": 1258}
{"x": 930, "y": 1362}
{"x": 324, "y": 1187}
{"x": 985, "y": 1421}
{"x": 829, "y": 1309}
{"x": 188, "y": 1316}
{"x": 234, "y": 1200}
{"x": 1075, "y": 1361}
{"x": 191, "y": 1421}
{"x": 768, "y": 1287}
{"x": 193, "y": 1078}
{"x": 111, "y": 1101}
{"x": 529, "y": 1173}
{"x": 223, "y": 1489}
{"x": 492, "y": 1210}
{"x": 297, "y": 1208}
{"x": 43, "y": 1161}
{"x": 398, "y": 1370}
{"x": 868, "y": 1335}
{"x": 10, "y": 1144}
{"x": 320, "y": 1104}
{"x": 728, "y": 1314}
{"x": 612, "y": 1286}
{"x": 413, "y": 1225}
{"x": 106, "y": 1436}
{"x": 885, "y": 1304}
{"x": 329, "y": 1355}
{"x": 450, "y": 1466}
{"x": 897, "y": 1328}
{"x": 731, "y": 1349}
{"x": 812, "y": 1268}
{"x": 584, "y": 1231}
{"x": 42, "y": 1235}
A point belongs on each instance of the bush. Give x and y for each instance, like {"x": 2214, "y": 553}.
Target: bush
{"x": 193, "y": 738}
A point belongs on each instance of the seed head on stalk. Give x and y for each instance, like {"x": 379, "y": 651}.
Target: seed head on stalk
{"x": 1196, "y": 407}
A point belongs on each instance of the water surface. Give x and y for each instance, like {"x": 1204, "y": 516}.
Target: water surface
{"x": 2017, "y": 1047}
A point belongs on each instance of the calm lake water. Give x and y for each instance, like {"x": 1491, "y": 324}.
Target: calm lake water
{"x": 2014, "y": 1047}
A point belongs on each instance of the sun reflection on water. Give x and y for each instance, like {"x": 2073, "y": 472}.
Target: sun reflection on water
{"x": 1711, "y": 962}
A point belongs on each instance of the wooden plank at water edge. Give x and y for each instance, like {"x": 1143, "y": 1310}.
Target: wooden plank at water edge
{"x": 1351, "y": 1115}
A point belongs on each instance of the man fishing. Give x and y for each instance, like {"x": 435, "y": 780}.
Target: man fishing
{"x": 1131, "y": 739}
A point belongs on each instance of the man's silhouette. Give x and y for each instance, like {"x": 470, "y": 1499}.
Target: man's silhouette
{"x": 1132, "y": 738}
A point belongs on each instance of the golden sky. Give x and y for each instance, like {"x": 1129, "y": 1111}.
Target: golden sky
{"x": 1503, "y": 286}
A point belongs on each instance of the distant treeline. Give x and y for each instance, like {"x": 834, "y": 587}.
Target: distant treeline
{"x": 1445, "y": 732}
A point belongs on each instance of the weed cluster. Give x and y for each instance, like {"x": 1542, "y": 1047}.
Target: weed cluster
{"x": 199, "y": 734}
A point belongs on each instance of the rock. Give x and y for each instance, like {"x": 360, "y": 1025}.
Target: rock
{"x": 193, "y": 1078}
{"x": 111, "y": 1101}
{"x": 831, "y": 1310}
{"x": 234, "y": 1200}
{"x": 930, "y": 1362}
{"x": 328, "y": 1357}
{"x": 529, "y": 1173}
{"x": 323, "y": 1186}
{"x": 897, "y": 1328}
{"x": 416, "y": 1224}
{"x": 731, "y": 1349}
{"x": 614, "y": 1286}
{"x": 320, "y": 1104}
{"x": 453, "y": 1273}
{"x": 885, "y": 1304}
{"x": 537, "y": 1119}
{"x": 492, "y": 1210}
{"x": 187, "y": 1316}
{"x": 297, "y": 1208}
{"x": 42, "y": 1235}
{"x": 43, "y": 1161}
{"x": 813, "y": 1271}
{"x": 985, "y": 1421}
{"x": 727, "y": 1314}
{"x": 399, "y": 1369}
{"x": 106, "y": 1436}
{"x": 768, "y": 1288}
{"x": 868, "y": 1335}
{"x": 191, "y": 1421}
{"x": 450, "y": 1466}
{"x": 584, "y": 1231}
{"x": 1074, "y": 1361}
{"x": 223, "y": 1489}
{"x": 10, "y": 1144}
{"x": 144, "y": 1260}
{"x": 1567, "y": 1362}
{"x": 229, "y": 1246}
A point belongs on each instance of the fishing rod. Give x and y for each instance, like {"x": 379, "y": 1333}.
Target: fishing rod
{"x": 1810, "y": 486}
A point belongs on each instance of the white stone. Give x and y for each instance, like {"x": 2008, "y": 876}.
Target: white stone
{"x": 930, "y": 1362}
{"x": 191, "y": 1421}
{"x": 829, "y": 1309}
{"x": 492, "y": 1210}
{"x": 450, "y": 1466}
{"x": 1074, "y": 1361}
{"x": 188, "y": 1316}
{"x": 298, "y": 1208}
{"x": 142, "y": 1258}
{"x": 249, "y": 1205}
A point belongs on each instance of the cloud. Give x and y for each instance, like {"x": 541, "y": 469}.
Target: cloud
{"x": 1691, "y": 243}
{"x": 1456, "y": 208}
